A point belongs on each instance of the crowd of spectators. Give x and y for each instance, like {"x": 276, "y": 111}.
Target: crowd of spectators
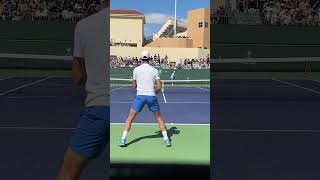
{"x": 203, "y": 63}
{"x": 157, "y": 61}
{"x": 274, "y": 12}
{"x": 131, "y": 62}
{"x": 291, "y": 12}
{"x": 124, "y": 62}
{"x": 68, "y": 10}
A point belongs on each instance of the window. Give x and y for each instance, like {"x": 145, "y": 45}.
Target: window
{"x": 200, "y": 25}
{"x": 206, "y": 24}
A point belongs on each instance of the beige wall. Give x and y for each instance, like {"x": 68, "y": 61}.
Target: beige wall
{"x": 172, "y": 42}
{"x": 200, "y": 36}
{"x": 174, "y": 54}
{"x": 127, "y": 29}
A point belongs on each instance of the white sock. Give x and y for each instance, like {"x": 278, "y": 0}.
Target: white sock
{"x": 165, "y": 135}
{"x": 124, "y": 135}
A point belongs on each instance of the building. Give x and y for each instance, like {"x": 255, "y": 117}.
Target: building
{"x": 126, "y": 28}
{"x": 193, "y": 33}
{"x": 192, "y": 40}
{"x": 199, "y": 28}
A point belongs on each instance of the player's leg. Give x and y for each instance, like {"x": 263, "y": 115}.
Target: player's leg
{"x": 154, "y": 107}
{"x": 73, "y": 165}
{"x": 130, "y": 118}
{"x": 163, "y": 128}
{"x": 87, "y": 142}
{"x": 127, "y": 127}
{"x": 160, "y": 121}
{"x": 137, "y": 106}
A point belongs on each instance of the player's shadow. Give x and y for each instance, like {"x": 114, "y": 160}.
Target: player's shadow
{"x": 172, "y": 131}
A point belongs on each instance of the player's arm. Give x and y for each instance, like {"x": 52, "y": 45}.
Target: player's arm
{"x": 79, "y": 74}
{"x": 134, "y": 79}
{"x": 134, "y": 84}
{"x": 158, "y": 82}
{"x": 158, "y": 85}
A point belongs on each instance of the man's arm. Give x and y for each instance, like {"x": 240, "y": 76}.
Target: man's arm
{"x": 134, "y": 79}
{"x": 158, "y": 82}
{"x": 158, "y": 85}
{"x": 79, "y": 74}
{"x": 134, "y": 84}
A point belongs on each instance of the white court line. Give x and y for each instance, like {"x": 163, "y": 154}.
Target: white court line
{"x": 164, "y": 97}
{"x": 316, "y": 81}
{"x": 151, "y": 124}
{"x": 118, "y": 88}
{"x": 20, "y": 87}
{"x": 268, "y": 130}
{"x": 30, "y": 97}
{"x": 34, "y": 128}
{"x": 297, "y": 86}
{"x": 5, "y": 78}
{"x": 203, "y": 89}
{"x": 128, "y": 102}
{"x": 61, "y": 128}
{"x": 252, "y": 86}
{"x": 44, "y": 84}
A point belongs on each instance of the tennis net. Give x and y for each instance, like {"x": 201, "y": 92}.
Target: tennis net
{"x": 35, "y": 65}
{"x": 165, "y": 74}
{"x": 37, "y": 76}
{"x": 266, "y": 68}
{"x": 276, "y": 79}
{"x": 194, "y": 85}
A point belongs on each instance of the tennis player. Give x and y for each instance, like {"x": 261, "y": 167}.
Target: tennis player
{"x": 172, "y": 77}
{"x": 89, "y": 69}
{"x": 146, "y": 81}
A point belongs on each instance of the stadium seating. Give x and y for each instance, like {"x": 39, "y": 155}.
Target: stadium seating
{"x": 47, "y": 10}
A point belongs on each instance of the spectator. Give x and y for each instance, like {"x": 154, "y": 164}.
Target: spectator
{"x": 274, "y": 12}
{"x": 47, "y": 9}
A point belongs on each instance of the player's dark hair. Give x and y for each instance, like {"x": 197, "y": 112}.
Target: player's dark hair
{"x": 145, "y": 60}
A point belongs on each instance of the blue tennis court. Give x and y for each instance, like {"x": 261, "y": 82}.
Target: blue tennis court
{"x": 179, "y": 104}
{"x": 38, "y": 115}
{"x": 265, "y": 128}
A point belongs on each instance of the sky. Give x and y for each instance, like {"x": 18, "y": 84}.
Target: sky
{"x": 158, "y": 11}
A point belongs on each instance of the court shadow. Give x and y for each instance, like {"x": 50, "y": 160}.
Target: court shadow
{"x": 172, "y": 131}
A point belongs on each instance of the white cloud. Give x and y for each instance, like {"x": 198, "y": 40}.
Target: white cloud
{"x": 157, "y": 18}
{"x": 183, "y": 19}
